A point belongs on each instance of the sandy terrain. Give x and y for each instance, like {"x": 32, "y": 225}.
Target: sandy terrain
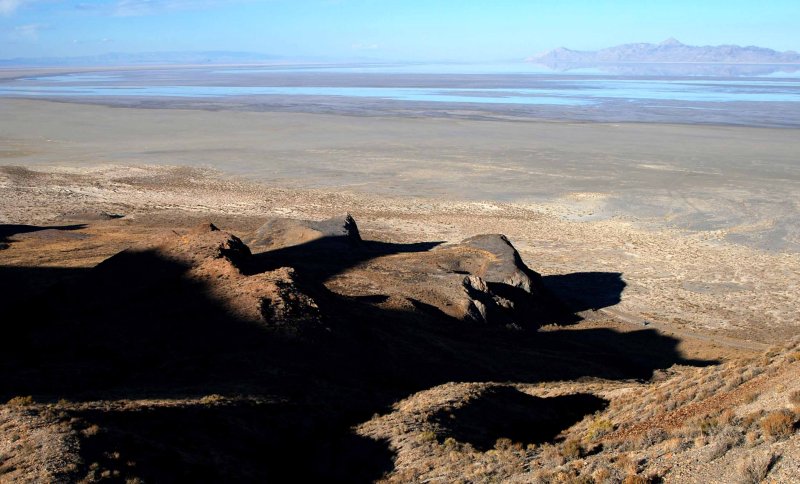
{"x": 733, "y": 183}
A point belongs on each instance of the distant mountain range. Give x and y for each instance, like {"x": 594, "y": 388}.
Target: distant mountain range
{"x": 145, "y": 58}
{"x": 669, "y": 51}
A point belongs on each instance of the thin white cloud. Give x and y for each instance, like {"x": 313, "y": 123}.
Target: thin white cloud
{"x": 137, "y": 8}
{"x": 104, "y": 40}
{"x": 29, "y": 32}
{"x": 7, "y": 7}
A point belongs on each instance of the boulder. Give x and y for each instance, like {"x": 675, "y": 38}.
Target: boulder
{"x": 278, "y": 233}
{"x": 505, "y": 266}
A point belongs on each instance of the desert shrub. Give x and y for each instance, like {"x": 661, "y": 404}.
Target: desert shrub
{"x": 212, "y": 399}
{"x": 749, "y": 420}
{"x": 570, "y": 476}
{"x": 571, "y": 449}
{"x": 635, "y": 479}
{"x": 677, "y": 444}
{"x": 753, "y": 372}
{"x": 754, "y": 468}
{"x": 427, "y": 436}
{"x": 503, "y": 443}
{"x": 626, "y": 464}
{"x": 700, "y": 441}
{"x": 598, "y": 428}
{"x": 734, "y": 382}
{"x": 602, "y": 475}
{"x": 20, "y": 401}
{"x": 551, "y": 457}
{"x": 750, "y": 397}
{"x": 751, "y": 438}
{"x": 539, "y": 476}
{"x": 707, "y": 425}
{"x": 794, "y": 398}
{"x": 703, "y": 393}
{"x": 731, "y": 433}
{"x": 687, "y": 396}
{"x": 91, "y": 430}
{"x": 720, "y": 446}
{"x": 653, "y": 437}
{"x": 622, "y": 445}
{"x": 778, "y": 424}
{"x": 726, "y": 417}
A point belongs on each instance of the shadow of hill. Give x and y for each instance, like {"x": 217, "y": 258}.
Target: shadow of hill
{"x": 505, "y": 412}
{"x": 583, "y": 291}
{"x": 9, "y": 230}
{"x": 21, "y": 283}
{"x": 141, "y": 327}
{"x": 232, "y": 442}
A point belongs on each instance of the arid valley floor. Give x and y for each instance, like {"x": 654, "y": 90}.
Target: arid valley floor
{"x": 638, "y": 322}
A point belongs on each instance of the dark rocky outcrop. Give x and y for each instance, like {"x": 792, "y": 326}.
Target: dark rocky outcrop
{"x": 481, "y": 280}
{"x": 506, "y": 265}
{"x": 279, "y": 233}
{"x": 503, "y": 290}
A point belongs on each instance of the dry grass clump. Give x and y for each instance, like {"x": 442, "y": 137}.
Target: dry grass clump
{"x": 749, "y": 420}
{"x": 212, "y": 399}
{"x": 427, "y": 436}
{"x": 572, "y": 449}
{"x": 727, "y": 439}
{"x": 778, "y": 424}
{"x": 754, "y": 468}
{"x": 652, "y": 437}
{"x": 626, "y": 464}
{"x": 751, "y": 396}
{"x": 706, "y": 425}
{"x": 20, "y": 401}
{"x": 598, "y": 428}
{"x": 635, "y": 479}
{"x": 504, "y": 443}
{"x": 550, "y": 456}
{"x": 794, "y": 398}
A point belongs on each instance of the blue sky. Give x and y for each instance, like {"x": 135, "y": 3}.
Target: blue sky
{"x": 462, "y": 30}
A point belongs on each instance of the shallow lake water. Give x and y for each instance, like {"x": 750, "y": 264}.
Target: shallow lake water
{"x": 520, "y": 89}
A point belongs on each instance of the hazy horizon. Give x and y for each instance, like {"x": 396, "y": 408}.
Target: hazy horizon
{"x": 389, "y": 31}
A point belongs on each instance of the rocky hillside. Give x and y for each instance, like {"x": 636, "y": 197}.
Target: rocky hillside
{"x": 299, "y": 350}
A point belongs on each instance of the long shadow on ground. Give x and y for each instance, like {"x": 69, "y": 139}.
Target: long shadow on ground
{"x": 8, "y": 231}
{"x": 583, "y": 291}
{"x": 142, "y": 329}
{"x": 505, "y": 412}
